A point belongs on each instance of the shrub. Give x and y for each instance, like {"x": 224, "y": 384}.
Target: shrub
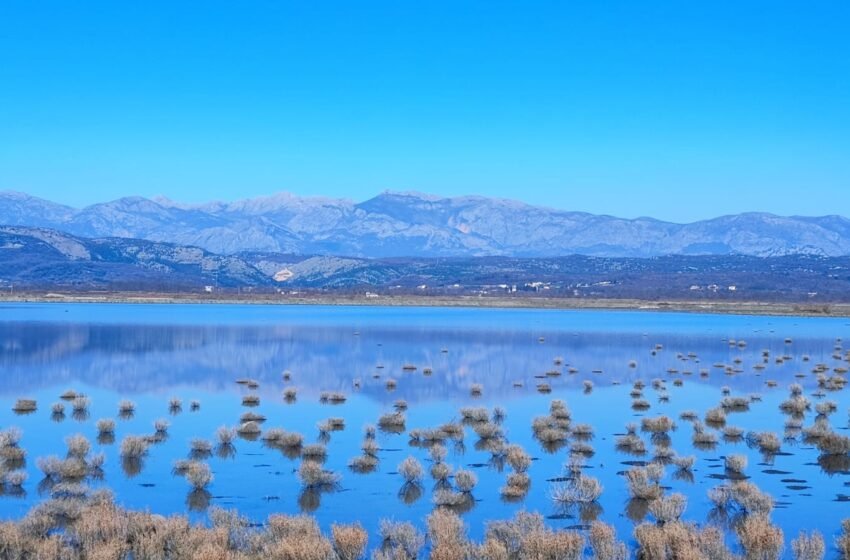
{"x": 161, "y": 425}
{"x": 312, "y": 475}
{"x": 200, "y": 447}
{"x": 643, "y": 482}
{"x": 684, "y": 463}
{"x": 546, "y": 543}
{"x": 225, "y": 435}
{"x": 251, "y": 400}
{"x": 24, "y": 406}
{"x": 105, "y": 426}
{"x": 631, "y": 443}
{"x": 517, "y": 458}
{"x": 668, "y": 508}
{"x": 742, "y": 495}
{"x": 759, "y": 538}
{"x": 249, "y": 428}
{"x": 363, "y": 463}
{"x": 349, "y": 541}
{"x": 314, "y": 451}
{"x": 735, "y": 463}
{"x": 833, "y": 444}
{"x": 411, "y": 470}
{"x": 767, "y": 442}
{"x": 15, "y": 479}
{"x": 448, "y": 535}
{"x": 81, "y": 403}
{"x": 133, "y": 447}
{"x": 716, "y": 416}
{"x": 392, "y": 420}
{"x": 660, "y": 424}
{"x": 251, "y": 417}
{"x": 808, "y": 547}
{"x": 446, "y": 497}
{"x": 465, "y": 480}
{"x": 583, "y": 430}
{"x": 581, "y": 490}
{"x": 370, "y": 448}
{"x": 403, "y": 540}
{"x": 78, "y": 446}
{"x": 126, "y": 407}
{"x": 474, "y": 414}
{"x": 603, "y": 541}
{"x": 441, "y": 472}
{"x": 199, "y": 475}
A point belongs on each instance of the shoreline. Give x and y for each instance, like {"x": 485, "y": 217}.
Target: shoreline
{"x": 836, "y": 310}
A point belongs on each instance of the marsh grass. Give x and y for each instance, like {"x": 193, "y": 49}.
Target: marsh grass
{"x": 24, "y": 406}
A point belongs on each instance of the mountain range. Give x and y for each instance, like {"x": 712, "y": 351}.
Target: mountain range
{"x": 40, "y": 259}
{"x": 395, "y": 224}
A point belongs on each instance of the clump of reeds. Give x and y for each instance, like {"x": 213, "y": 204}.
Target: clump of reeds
{"x": 290, "y": 394}
{"x": 715, "y": 416}
{"x": 392, "y": 421}
{"x": 808, "y": 546}
{"x": 580, "y": 489}
{"x": 349, "y": 541}
{"x": 332, "y": 397}
{"x": 767, "y": 442}
{"x": 24, "y": 406}
{"x": 743, "y": 496}
{"x": 126, "y": 408}
{"x": 160, "y": 426}
{"x": 225, "y": 435}
{"x": 759, "y": 537}
{"x": 735, "y": 463}
{"x": 476, "y": 389}
{"x": 400, "y": 540}
{"x": 81, "y": 403}
{"x": 411, "y": 470}
{"x": 198, "y": 475}
{"x": 703, "y": 438}
{"x": 832, "y": 443}
{"x": 643, "y": 482}
{"x": 105, "y": 426}
{"x": 134, "y": 447}
{"x": 658, "y": 425}
{"x": 200, "y": 448}
{"x": 668, "y": 509}
{"x": 314, "y": 452}
{"x": 251, "y": 416}
{"x": 313, "y": 475}
{"x": 249, "y": 429}
{"x": 251, "y": 400}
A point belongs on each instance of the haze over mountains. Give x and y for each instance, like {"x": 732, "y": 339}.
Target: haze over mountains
{"x": 396, "y": 224}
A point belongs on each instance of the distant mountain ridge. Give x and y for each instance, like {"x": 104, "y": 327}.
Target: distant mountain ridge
{"x": 395, "y": 224}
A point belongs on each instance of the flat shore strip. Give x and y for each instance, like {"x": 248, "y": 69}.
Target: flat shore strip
{"x": 801, "y": 309}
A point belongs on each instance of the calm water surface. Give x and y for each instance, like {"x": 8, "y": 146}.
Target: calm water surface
{"x": 150, "y": 353}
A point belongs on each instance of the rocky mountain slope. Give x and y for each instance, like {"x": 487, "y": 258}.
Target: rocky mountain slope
{"x": 416, "y": 225}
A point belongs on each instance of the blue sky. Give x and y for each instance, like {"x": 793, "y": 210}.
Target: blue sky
{"x": 678, "y": 110}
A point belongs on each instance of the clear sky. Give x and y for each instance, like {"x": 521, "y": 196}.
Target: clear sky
{"x": 676, "y": 109}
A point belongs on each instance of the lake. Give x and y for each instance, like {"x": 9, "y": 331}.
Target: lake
{"x": 152, "y": 353}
